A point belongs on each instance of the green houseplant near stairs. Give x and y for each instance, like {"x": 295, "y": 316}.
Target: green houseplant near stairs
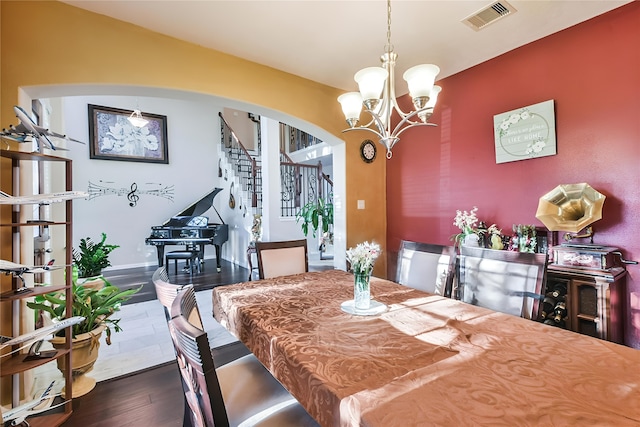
{"x": 314, "y": 213}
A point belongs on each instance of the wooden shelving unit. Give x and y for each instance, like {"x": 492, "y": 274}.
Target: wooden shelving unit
{"x": 16, "y": 364}
{"x": 38, "y": 290}
{"x": 31, "y": 224}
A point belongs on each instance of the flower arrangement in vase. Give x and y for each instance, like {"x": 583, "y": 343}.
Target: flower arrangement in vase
{"x": 362, "y": 258}
{"x": 475, "y": 233}
{"x": 524, "y": 239}
{"x": 466, "y": 222}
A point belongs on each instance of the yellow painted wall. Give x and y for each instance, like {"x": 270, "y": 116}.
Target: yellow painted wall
{"x": 52, "y": 43}
{"x": 366, "y": 182}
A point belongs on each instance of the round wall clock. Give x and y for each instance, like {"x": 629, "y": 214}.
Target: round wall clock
{"x": 368, "y": 150}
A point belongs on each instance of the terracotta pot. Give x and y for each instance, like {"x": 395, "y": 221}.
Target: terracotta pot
{"x": 84, "y": 353}
{"x": 91, "y": 282}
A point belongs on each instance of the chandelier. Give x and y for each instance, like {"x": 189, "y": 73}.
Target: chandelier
{"x": 137, "y": 120}
{"x": 377, "y": 95}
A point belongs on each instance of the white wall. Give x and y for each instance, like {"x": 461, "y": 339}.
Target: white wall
{"x": 276, "y": 227}
{"x": 192, "y": 134}
{"x": 239, "y": 219}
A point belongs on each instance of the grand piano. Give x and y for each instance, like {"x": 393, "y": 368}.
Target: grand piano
{"x": 189, "y": 228}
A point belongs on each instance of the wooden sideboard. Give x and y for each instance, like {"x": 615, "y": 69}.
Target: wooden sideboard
{"x": 593, "y": 300}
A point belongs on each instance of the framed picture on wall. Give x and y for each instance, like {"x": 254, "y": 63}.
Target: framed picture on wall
{"x": 526, "y": 133}
{"x": 113, "y": 137}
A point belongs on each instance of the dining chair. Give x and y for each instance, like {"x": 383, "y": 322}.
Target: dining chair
{"x": 427, "y": 267}
{"x": 166, "y": 293}
{"x": 506, "y": 281}
{"x": 282, "y": 258}
{"x": 236, "y": 394}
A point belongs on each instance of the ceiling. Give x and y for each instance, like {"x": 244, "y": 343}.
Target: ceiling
{"x": 329, "y": 40}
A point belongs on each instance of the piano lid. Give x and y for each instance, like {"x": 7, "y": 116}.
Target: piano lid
{"x": 199, "y": 207}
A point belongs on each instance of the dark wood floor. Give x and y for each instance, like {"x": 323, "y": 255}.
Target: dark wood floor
{"x": 152, "y": 397}
{"x": 208, "y": 278}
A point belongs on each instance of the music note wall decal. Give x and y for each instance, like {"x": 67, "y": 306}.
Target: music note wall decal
{"x": 132, "y": 193}
{"x": 132, "y": 196}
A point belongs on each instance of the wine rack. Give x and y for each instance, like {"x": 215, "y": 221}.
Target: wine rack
{"x": 585, "y": 301}
{"x": 553, "y": 310}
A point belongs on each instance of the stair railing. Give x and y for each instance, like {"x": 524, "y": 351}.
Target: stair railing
{"x": 248, "y": 168}
{"x": 300, "y": 184}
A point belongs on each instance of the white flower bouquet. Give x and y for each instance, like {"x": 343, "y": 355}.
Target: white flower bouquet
{"x": 466, "y": 222}
{"x": 363, "y": 256}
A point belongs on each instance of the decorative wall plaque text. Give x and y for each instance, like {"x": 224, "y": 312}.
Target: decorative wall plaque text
{"x": 525, "y": 133}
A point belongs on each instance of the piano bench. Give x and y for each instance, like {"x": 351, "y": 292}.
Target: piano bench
{"x": 190, "y": 256}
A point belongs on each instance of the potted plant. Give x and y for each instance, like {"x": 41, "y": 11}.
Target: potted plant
{"x": 96, "y": 305}
{"x": 91, "y": 258}
{"x": 314, "y": 213}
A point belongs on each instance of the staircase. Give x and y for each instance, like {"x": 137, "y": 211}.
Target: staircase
{"x": 244, "y": 167}
{"x": 300, "y": 183}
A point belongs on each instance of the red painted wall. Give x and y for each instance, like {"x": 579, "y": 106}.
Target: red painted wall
{"x": 592, "y": 71}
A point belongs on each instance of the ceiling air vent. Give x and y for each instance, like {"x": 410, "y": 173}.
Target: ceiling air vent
{"x": 489, "y": 14}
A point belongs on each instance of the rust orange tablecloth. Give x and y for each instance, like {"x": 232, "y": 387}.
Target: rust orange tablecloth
{"x": 427, "y": 360}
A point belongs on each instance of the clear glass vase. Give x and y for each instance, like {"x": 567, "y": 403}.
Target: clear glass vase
{"x": 471, "y": 240}
{"x": 361, "y": 291}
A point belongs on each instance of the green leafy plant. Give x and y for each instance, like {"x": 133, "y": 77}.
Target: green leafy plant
{"x": 95, "y": 305}
{"x": 311, "y": 213}
{"x": 91, "y": 257}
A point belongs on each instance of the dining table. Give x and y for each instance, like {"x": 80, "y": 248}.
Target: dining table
{"x": 419, "y": 359}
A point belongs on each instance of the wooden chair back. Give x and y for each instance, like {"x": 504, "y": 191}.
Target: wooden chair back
{"x": 202, "y": 392}
{"x": 167, "y": 292}
{"x": 186, "y": 305}
{"x": 282, "y": 258}
{"x": 505, "y": 281}
{"x": 428, "y": 267}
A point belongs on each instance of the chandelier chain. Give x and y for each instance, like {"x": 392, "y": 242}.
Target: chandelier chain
{"x": 389, "y": 46}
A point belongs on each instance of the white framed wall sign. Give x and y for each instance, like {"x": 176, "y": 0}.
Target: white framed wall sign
{"x": 525, "y": 133}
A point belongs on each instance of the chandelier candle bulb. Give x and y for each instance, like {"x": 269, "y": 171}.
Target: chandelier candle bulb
{"x": 433, "y": 96}
{"x": 351, "y": 107}
{"x": 371, "y": 82}
{"x": 420, "y": 80}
